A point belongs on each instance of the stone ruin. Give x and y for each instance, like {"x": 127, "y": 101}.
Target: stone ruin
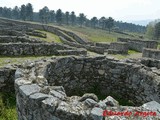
{"x": 70, "y": 88}
{"x": 74, "y": 41}
{"x": 138, "y": 45}
{"x": 14, "y": 41}
{"x": 124, "y": 44}
{"x": 118, "y": 48}
{"x": 62, "y": 88}
{"x": 151, "y": 53}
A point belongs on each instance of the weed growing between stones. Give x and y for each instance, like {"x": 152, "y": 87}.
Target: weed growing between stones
{"x": 8, "y": 106}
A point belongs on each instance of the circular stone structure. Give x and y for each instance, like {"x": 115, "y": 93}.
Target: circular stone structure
{"x": 64, "y": 88}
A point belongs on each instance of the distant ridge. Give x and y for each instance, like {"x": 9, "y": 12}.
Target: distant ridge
{"x": 141, "y": 22}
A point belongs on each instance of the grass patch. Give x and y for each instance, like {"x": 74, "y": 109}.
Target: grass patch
{"x": 50, "y": 37}
{"x": 18, "y": 60}
{"x": 159, "y": 46}
{"x": 94, "y": 35}
{"x": 8, "y": 106}
{"x": 131, "y": 54}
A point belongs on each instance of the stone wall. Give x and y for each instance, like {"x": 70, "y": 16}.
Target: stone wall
{"x": 69, "y": 36}
{"x": 104, "y": 45}
{"x": 151, "y": 53}
{"x": 37, "y": 49}
{"x": 45, "y": 27}
{"x": 138, "y": 45}
{"x": 118, "y": 48}
{"x": 15, "y": 39}
{"x": 76, "y": 37}
{"x": 99, "y": 50}
{"x": 40, "y": 94}
{"x": 7, "y": 77}
{"x": 154, "y": 63}
{"x": 72, "y": 52}
{"x": 86, "y": 73}
{"x": 36, "y": 33}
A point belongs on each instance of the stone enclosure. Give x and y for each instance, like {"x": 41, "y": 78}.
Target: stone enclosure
{"x": 69, "y": 38}
{"x": 78, "y": 86}
{"x": 40, "y": 94}
{"x": 138, "y": 45}
{"x": 14, "y": 41}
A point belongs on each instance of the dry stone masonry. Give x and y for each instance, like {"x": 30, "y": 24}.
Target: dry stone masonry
{"x": 14, "y": 41}
{"x": 74, "y": 40}
{"x": 138, "y": 45}
{"x": 69, "y": 87}
{"x": 51, "y": 89}
{"x": 7, "y": 76}
{"x": 36, "y": 49}
{"x": 103, "y": 44}
{"x": 151, "y": 53}
{"x": 118, "y": 47}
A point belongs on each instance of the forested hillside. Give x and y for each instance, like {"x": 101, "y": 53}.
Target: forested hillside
{"x": 25, "y": 12}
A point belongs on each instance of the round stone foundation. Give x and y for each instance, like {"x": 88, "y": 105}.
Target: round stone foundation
{"x": 51, "y": 89}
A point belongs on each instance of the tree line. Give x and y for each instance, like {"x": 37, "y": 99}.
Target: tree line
{"x": 153, "y": 30}
{"x": 25, "y": 12}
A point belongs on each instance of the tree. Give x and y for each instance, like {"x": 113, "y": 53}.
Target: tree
{"x": 94, "y": 21}
{"x": 59, "y": 15}
{"x": 1, "y": 11}
{"x": 52, "y": 16}
{"x": 73, "y": 18}
{"x": 102, "y": 22}
{"x": 82, "y": 18}
{"x": 109, "y": 23}
{"x": 15, "y": 12}
{"x": 67, "y": 17}
{"x": 157, "y": 31}
{"x": 23, "y": 12}
{"x": 150, "y": 31}
{"x": 29, "y": 11}
{"x": 44, "y": 15}
{"x": 7, "y": 12}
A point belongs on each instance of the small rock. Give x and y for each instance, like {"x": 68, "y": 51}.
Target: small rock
{"x": 18, "y": 73}
{"x": 90, "y": 102}
{"x": 109, "y": 101}
{"x": 101, "y": 72}
{"x": 50, "y": 104}
{"x": 88, "y": 95}
{"x": 39, "y": 96}
{"x": 102, "y": 105}
{"x": 60, "y": 95}
{"x": 27, "y": 90}
{"x": 2, "y": 79}
{"x": 152, "y": 106}
{"x": 97, "y": 113}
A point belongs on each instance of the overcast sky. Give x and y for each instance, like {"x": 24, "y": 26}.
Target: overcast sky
{"x": 125, "y": 10}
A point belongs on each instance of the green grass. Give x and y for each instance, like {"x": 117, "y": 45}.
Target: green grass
{"x": 14, "y": 60}
{"x": 8, "y": 106}
{"x": 131, "y": 54}
{"x": 94, "y": 35}
{"x": 50, "y": 37}
{"x": 159, "y": 45}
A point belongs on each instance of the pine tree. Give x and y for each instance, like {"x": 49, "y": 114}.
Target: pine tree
{"x": 59, "y": 16}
